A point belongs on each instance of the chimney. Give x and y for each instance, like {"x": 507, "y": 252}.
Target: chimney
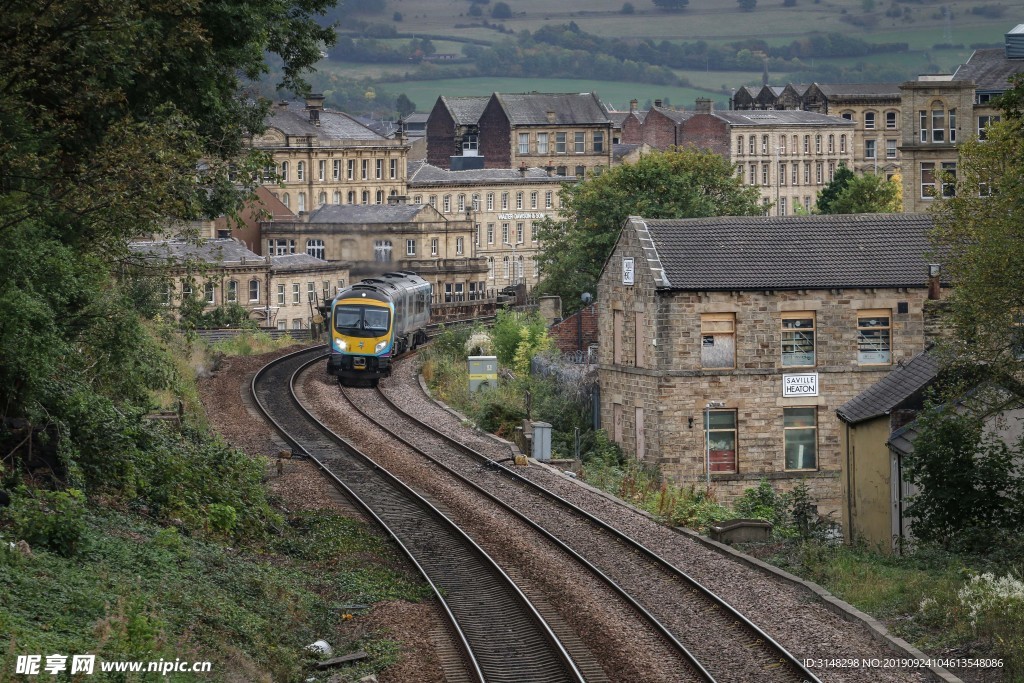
{"x": 633, "y": 104}
{"x": 551, "y": 117}
{"x": 704, "y": 105}
{"x": 657, "y": 103}
{"x": 522, "y": 169}
{"x": 934, "y": 287}
{"x": 397, "y": 199}
{"x": 550, "y": 169}
{"x": 314, "y": 105}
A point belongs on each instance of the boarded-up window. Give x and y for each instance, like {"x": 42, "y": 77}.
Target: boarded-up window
{"x": 617, "y": 337}
{"x": 617, "y": 422}
{"x": 641, "y": 445}
{"x": 718, "y": 340}
{"x": 641, "y": 341}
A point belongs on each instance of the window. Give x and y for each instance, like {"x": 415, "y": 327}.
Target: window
{"x": 797, "y": 339}
{"x": 504, "y": 233}
{"x": 336, "y": 169}
{"x": 380, "y": 196}
{"x": 310, "y": 291}
{"x": 739, "y": 146}
{"x": 533, "y": 200}
{"x": 807, "y": 203}
{"x": 475, "y": 202}
{"x": 938, "y": 125}
{"x": 842, "y": 144}
{"x": 807, "y": 173}
{"x": 504, "y": 201}
{"x": 300, "y": 170}
{"x": 379, "y": 169}
{"x": 302, "y": 202}
{"x": 432, "y": 200}
{"x": 753, "y": 175}
{"x": 297, "y": 324}
{"x": 490, "y": 233}
{"x": 280, "y": 295}
{"x": 948, "y": 178}
{"x": 807, "y": 144}
{"x": 580, "y": 171}
{"x": 519, "y": 200}
{"x": 350, "y": 169}
{"x": 520, "y": 227}
{"x": 460, "y": 203}
{"x": 490, "y": 267}
{"x": 874, "y": 341}
{"x": 927, "y": 179}
{"x": 548, "y": 199}
{"x": 579, "y": 143}
{"x": 284, "y": 171}
{"x": 782, "y": 173}
{"x": 208, "y": 291}
{"x": 848, "y": 115}
{"x": 382, "y": 251}
{"x": 764, "y": 174}
{"x": 364, "y": 169}
{"x": 869, "y": 120}
{"x": 831, "y": 171}
{"x": 818, "y": 170}
{"x": 433, "y": 247}
{"x": 796, "y": 173}
{"x": 817, "y": 144}
{"x": 446, "y": 204}
{"x": 559, "y": 143}
{"x": 890, "y": 149}
{"x": 952, "y": 125}
{"x": 764, "y": 144}
{"x": 232, "y": 291}
{"x": 337, "y": 197}
{"x": 721, "y": 440}
{"x": 490, "y": 201}
{"x": 254, "y": 290}
{"x": 782, "y": 144}
{"x": 831, "y": 144}
{"x": 752, "y": 145}
{"x": 460, "y": 245}
{"x": 321, "y": 199}
{"x": 322, "y": 170}
{"x": 800, "y": 433}
{"x": 542, "y": 143}
{"x": 869, "y": 149}
{"x": 393, "y": 168}
{"x": 983, "y": 123}
{"x": 599, "y": 141}
{"x": 524, "y": 143}
{"x": 506, "y": 262}
{"x": 890, "y": 120}
{"x": 519, "y": 268}
{"x": 718, "y": 340}
{"x": 315, "y": 248}
{"x": 782, "y": 206}
{"x": 562, "y": 171}
{"x": 533, "y": 232}
{"x": 296, "y": 297}
{"x": 470, "y": 145}
{"x": 351, "y": 196}
{"x": 410, "y": 247}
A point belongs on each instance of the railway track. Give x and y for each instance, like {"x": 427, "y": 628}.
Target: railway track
{"x": 499, "y": 634}
{"x": 720, "y": 643}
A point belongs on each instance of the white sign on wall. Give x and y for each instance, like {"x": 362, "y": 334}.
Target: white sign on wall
{"x": 627, "y": 271}
{"x": 800, "y": 385}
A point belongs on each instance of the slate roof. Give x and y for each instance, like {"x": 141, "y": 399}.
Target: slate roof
{"x": 366, "y": 213}
{"x": 989, "y": 69}
{"x": 214, "y": 251}
{"x": 465, "y": 111}
{"x": 292, "y": 118}
{"x": 621, "y": 149}
{"x": 421, "y": 173}
{"x": 775, "y": 117}
{"x": 900, "y": 384}
{"x": 859, "y": 89}
{"x": 675, "y": 115}
{"x": 570, "y": 109}
{"x": 788, "y": 252}
{"x": 287, "y": 262}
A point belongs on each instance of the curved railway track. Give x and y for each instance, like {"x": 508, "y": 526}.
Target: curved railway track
{"x": 720, "y": 643}
{"x": 501, "y": 635}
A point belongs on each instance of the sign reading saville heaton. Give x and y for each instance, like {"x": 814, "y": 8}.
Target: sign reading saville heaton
{"x": 804, "y": 384}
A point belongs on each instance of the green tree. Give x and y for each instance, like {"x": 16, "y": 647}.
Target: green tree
{"x": 404, "y": 105}
{"x": 840, "y": 181}
{"x": 671, "y": 5}
{"x": 673, "y": 184}
{"x": 979, "y": 242}
{"x": 868, "y": 193}
{"x": 501, "y": 10}
{"x": 747, "y": 5}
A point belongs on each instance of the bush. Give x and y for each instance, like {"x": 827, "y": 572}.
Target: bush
{"x": 763, "y": 503}
{"x": 54, "y": 520}
{"x": 627, "y": 8}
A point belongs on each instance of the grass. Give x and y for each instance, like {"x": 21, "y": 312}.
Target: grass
{"x": 142, "y": 592}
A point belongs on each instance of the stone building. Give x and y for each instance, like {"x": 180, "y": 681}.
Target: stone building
{"x": 765, "y": 325}
{"x": 504, "y": 206}
{"x": 943, "y": 110}
{"x": 396, "y": 236}
{"x": 298, "y": 283}
{"x": 570, "y": 133}
{"x": 327, "y": 157}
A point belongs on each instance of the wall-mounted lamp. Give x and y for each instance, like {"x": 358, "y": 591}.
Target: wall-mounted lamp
{"x": 934, "y": 269}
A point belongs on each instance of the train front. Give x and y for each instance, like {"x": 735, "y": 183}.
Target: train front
{"x": 362, "y": 326}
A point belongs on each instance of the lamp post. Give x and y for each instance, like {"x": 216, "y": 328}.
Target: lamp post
{"x": 778, "y": 178}
{"x": 707, "y": 436}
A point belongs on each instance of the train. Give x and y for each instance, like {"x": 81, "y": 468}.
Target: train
{"x": 374, "y": 320}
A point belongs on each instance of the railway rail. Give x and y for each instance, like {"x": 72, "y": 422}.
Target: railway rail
{"x": 501, "y": 636}
{"x": 719, "y": 642}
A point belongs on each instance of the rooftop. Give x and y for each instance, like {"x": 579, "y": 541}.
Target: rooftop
{"x": 214, "y": 251}
{"x": 989, "y": 69}
{"x": 292, "y": 118}
{"x": 775, "y": 117}
{"x": 566, "y": 108}
{"x": 903, "y": 382}
{"x": 367, "y": 213}
{"x": 423, "y": 174}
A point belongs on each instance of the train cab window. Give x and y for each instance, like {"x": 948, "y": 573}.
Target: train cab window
{"x": 361, "y": 321}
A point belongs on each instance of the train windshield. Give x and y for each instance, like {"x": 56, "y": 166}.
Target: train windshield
{"x": 361, "y": 321}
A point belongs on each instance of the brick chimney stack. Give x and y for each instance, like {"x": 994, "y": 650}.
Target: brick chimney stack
{"x": 314, "y": 105}
{"x": 704, "y": 105}
{"x": 633, "y": 104}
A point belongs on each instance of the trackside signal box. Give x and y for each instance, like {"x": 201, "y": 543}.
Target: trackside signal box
{"x": 483, "y": 372}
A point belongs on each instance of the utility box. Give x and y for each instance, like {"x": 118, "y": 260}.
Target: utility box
{"x": 483, "y": 372}
{"x": 542, "y": 441}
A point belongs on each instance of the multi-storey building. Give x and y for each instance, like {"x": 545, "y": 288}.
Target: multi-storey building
{"x": 943, "y": 110}
{"x": 504, "y": 205}
{"x": 326, "y": 157}
{"x": 727, "y": 344}
{"x": 570, "y": 133}
{"x": 395, "y": 236}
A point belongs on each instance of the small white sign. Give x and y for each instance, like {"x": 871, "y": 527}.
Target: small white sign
{"x": 800, "y": 385}
{"x": 627, "y": 271}
{"x": 520, "y": 216}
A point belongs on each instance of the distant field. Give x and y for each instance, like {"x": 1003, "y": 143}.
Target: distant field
{"x": 617, "y": 94}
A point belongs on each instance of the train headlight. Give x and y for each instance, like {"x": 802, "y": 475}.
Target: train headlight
{"x": 340, "y": 345}
{"x": 381, "y": 345}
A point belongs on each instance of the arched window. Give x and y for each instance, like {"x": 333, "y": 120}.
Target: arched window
{"x": 446, "y": 204}
{"x": 322, "y": 199}
{"x": 490, "y": 201}
{"x": 739, "y": 145}
{"x": 286, "y": 200}
{"x": 519, "y": 200}
{"x": 817, "y": 144}
{"x": 506, "y": 267}
{"x": 842, "y": 144}
{"x": 382, "y": 251}
{"x": 254, "y": 290}
{"x": 232, "y": 291}
{"x": 460, "y": 203}
{"x": 302, "y": 201}
{"x": 284, "y": 171}
{"x": 519, "y": 268}
{"x": 351, "y": 197}
{"x": 380, "y": 196}
{"x": 337, "y": 197}
{"x": 869, "y": 120}
{"x": 490, "y": 268}
{"x": 891, "y": 120}
{"x": 300, "y": 170}
{"x": 831, "y": 144}
{"x": 366, "y": 196}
